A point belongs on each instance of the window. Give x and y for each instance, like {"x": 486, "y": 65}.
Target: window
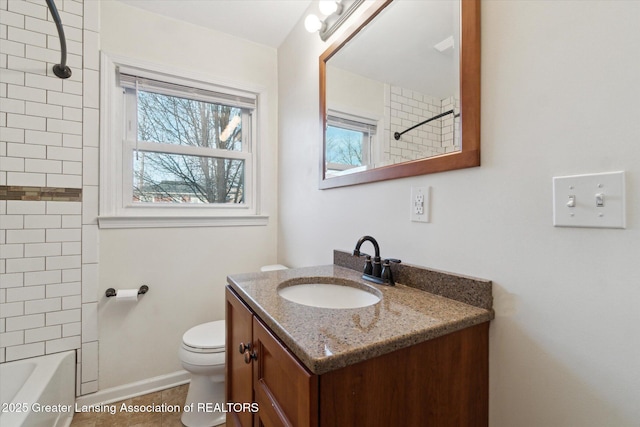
{"x": 185, "y": 149}
{"x": 348, "y": 142}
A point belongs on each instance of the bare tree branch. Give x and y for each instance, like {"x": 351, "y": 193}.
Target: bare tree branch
{"x": 181, "y": 121}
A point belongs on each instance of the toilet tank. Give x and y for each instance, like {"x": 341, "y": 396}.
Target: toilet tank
{"x": 273, "y": 267}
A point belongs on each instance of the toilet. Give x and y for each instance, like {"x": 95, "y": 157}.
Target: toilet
{"x": 202, "y": 355}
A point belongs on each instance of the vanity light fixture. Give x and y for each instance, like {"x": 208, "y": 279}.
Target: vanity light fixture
{"x": 328, "y": 7}
{"x": 336, "y": 12}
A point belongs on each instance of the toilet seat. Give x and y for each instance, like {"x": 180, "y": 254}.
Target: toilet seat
{"x": 205, "y": 338}
{"x": 202, "y": 354}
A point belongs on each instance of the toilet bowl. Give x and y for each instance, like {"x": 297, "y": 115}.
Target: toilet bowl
{"x": 202, "y": 355}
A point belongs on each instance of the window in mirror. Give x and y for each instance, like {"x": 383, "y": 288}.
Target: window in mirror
{"x": 349, "y": 142}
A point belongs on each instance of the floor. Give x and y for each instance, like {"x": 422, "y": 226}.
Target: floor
{"x": 169, "y": 397}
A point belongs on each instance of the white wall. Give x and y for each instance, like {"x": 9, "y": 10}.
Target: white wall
{"x": 560, "y": 94}
{"x": 354, "y": 94}
{"x": 186, "y": 268}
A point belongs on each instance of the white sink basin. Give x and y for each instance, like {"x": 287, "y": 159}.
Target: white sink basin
{"x": 330, "y": 295}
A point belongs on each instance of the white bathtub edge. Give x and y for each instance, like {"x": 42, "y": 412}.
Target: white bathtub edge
{"x": 138, "y": 388}
{"x": 51, "y": 384}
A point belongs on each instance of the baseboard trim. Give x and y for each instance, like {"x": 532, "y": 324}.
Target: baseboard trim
{"x": 135, "y": 389}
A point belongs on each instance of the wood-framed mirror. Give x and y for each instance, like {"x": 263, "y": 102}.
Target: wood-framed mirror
{"x": 378, "y": 121}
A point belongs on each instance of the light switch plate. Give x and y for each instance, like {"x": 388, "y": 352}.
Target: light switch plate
{"x": 420, "y": 204}
{"x": 591, "y": 200}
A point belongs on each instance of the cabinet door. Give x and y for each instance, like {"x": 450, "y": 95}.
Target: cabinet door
{"x": 443, "y": 382}
{"x": 287, "y": 394}
{"x": 238, "y": 372}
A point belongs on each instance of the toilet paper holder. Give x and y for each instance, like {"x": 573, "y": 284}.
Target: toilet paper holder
{"x": 111, "y": 292}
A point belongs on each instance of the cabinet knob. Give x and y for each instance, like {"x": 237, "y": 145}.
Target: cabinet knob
{"x": 249, "y": 356}
{"x": 244, "y": 347}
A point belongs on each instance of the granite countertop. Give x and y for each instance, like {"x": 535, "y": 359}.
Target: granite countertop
{"x": 326, "y": 339}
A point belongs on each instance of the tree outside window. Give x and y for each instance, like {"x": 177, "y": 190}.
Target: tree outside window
{"x": 169, "y": 177}
{"x": 348, "y": 141}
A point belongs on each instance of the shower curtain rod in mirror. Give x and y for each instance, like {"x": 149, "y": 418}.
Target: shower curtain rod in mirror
{"x": 61, "y": 70}
{"x": 397, "y": 135}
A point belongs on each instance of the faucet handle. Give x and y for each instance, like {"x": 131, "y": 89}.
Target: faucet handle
{"x": 368, "y": 266}
{"x": 386, "y": 274}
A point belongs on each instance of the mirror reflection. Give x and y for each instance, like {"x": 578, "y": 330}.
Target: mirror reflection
{"x": 398, "y": 76}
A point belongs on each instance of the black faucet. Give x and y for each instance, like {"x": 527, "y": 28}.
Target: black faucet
{"x": 376, "y": 271}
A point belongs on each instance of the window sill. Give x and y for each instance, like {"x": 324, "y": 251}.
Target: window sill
{"x": 181, "y": 221}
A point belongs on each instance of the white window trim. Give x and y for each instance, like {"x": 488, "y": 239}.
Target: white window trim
{"x": 115, "y": 211}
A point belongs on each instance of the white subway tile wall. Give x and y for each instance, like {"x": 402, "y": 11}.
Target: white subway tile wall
{"x": 451, "y": 135}
{"x": 49, "y": 249}
{"x": 407, "y": 108}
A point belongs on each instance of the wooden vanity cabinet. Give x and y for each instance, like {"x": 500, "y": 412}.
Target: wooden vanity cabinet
{"x": 440, "y": 382}
{"x": 260, "y": 369}
{"x": 286, "y": 393}
{"x": 238, "y": 374}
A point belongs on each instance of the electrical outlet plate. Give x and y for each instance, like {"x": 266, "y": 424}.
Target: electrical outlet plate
{"x": 420, "y": 197}
{"x": 593, "y": 200}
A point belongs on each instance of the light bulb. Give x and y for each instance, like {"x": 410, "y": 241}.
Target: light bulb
{"x": 327, "y": 7}
{"x": 312, "y": 23}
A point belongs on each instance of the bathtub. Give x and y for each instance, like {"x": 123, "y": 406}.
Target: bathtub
{"x": 38, "y": 391}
